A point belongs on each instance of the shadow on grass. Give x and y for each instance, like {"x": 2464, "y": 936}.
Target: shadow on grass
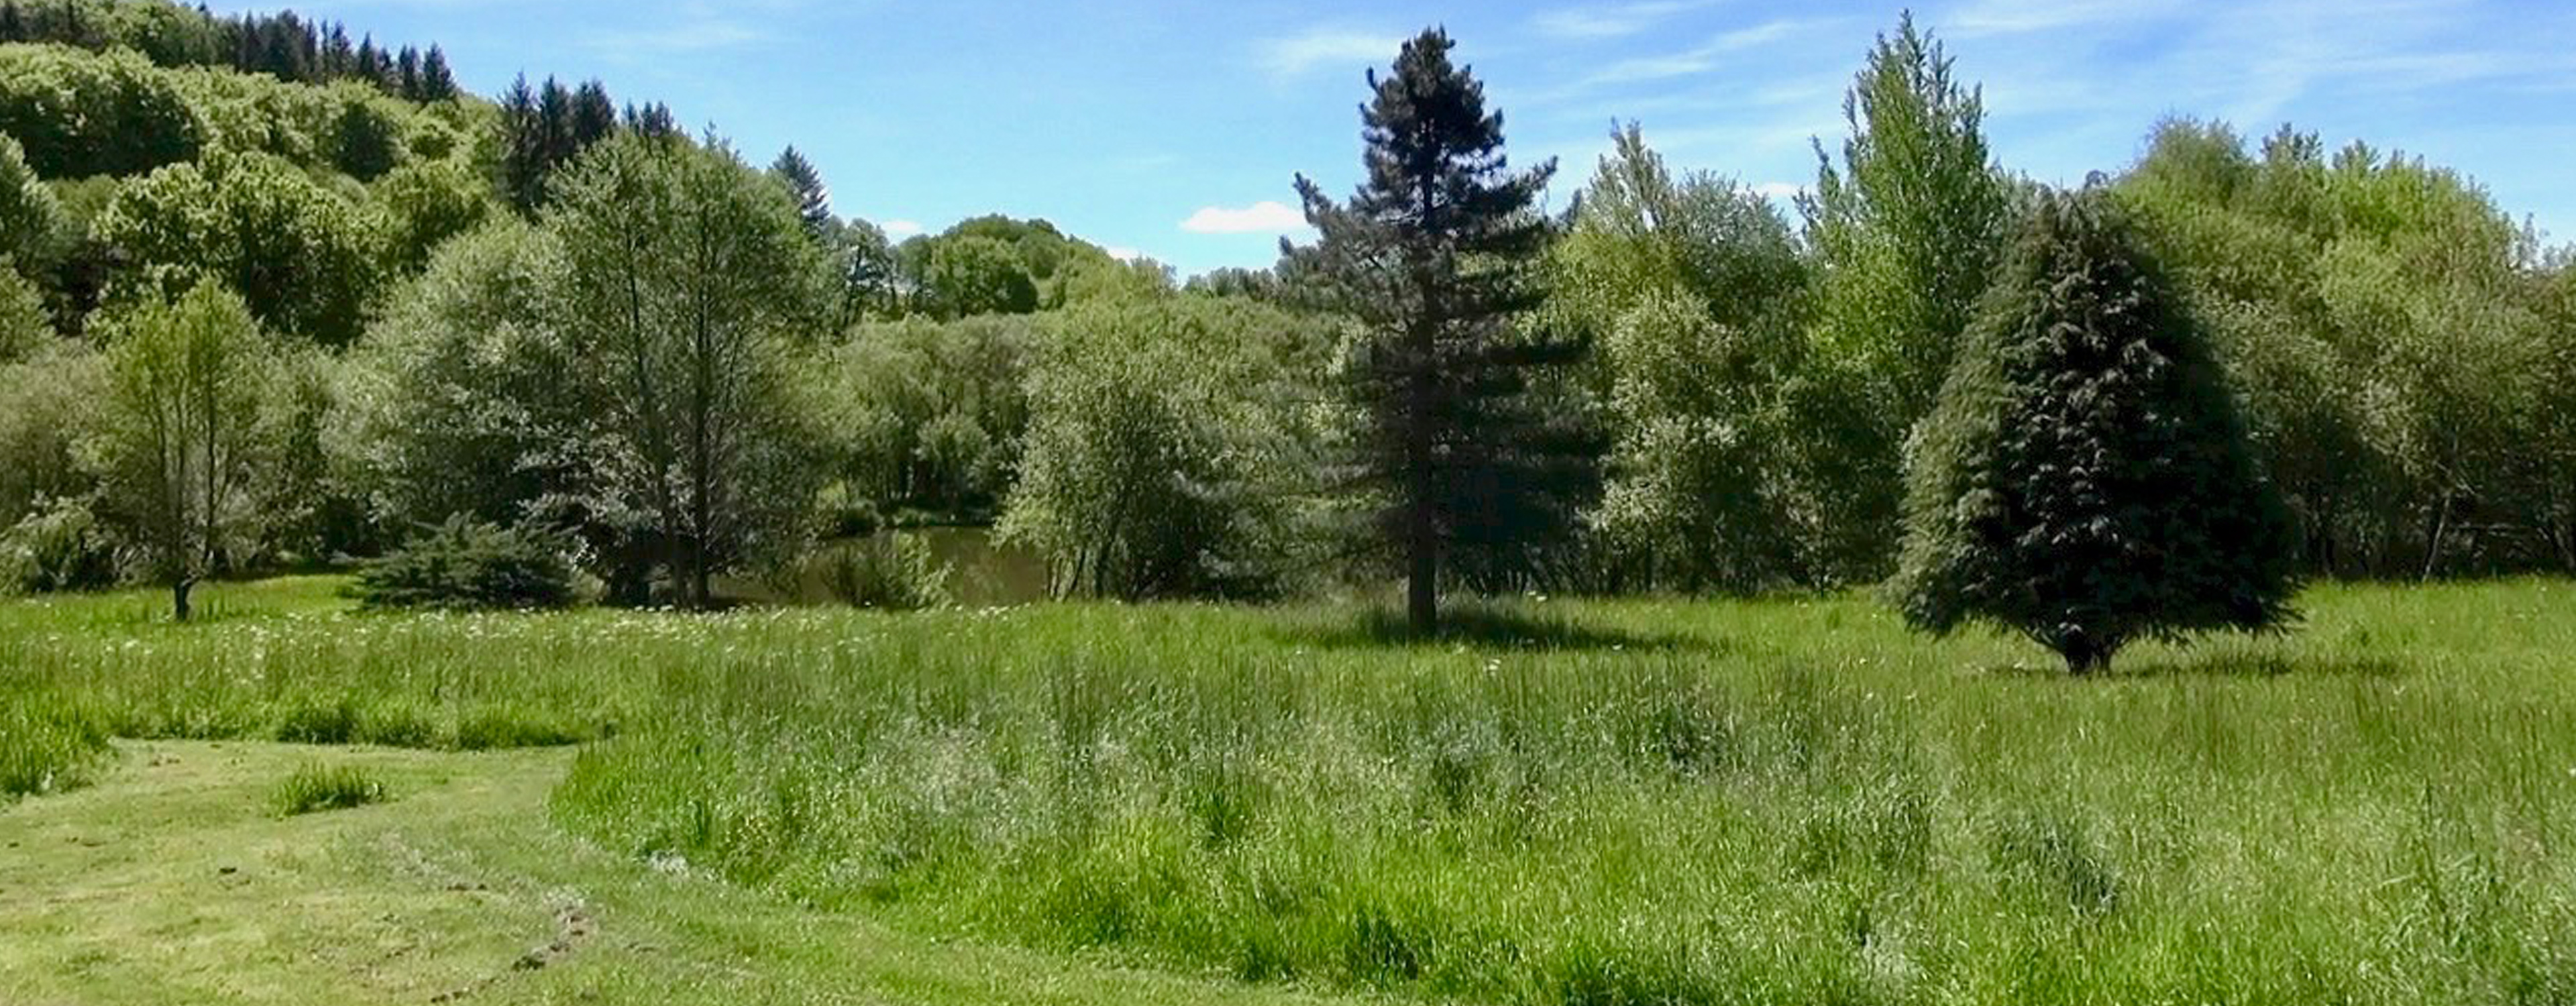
{"x": 1475, "y": 628}
{"x": 2215, "y": 665}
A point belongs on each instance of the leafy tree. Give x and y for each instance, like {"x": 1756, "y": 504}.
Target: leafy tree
{"x": 30, "y": 218}
{"x": 461, "y": 400}
{"x": 2086, "y": 480}
{"x": 79, "y": 114}
{"x": 1162, "y": 460}
{"x": 1695, "y": 290}
{"x": 179, "y": 455}
{"x": 1907, "y": 231}
{"x": 688, "y": 278}
{"x": 427, "y": 203}
{"x": 368, "y": 141}
{"x": 303, "y": 257}
{"x": 972, "y": 274}
{"x": 1434, "y": 255}
{"x": 927, "y": 416}
{"x": 868, "y": 270}
{"x": 49, "y": 401}
{"x": 24, "y": 327}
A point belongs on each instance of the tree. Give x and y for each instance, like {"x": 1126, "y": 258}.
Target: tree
{"x": 813, "y": 199}
{"x": 1433, "y": 255}
{"x": 2086, "y": 480}
{"x": 1695, "y": 290}
{"x": 179, "y": 455}
{"x": 437, "y": 82}
{"x": 1163, "y": 456}
{"x": 1907, "y": 231}
{"x": 971, "y": 274}
{"x": 30, "y": 218}
{"x": 24, "y": 327}
{"x": 427, "y": 203}
{"x": 688, "y": 278}
{"x": 305, "y": 259}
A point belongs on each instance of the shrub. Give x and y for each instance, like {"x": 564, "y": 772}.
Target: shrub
{"x": 318, "y": 787}
{"x": 60, "y": 547}
{"x": 44, "y": 746}
{"x": 896, "y": 572}
{"x": 466, "y": 565}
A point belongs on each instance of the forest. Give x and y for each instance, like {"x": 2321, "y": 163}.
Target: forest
{"x": 421, "y": 306}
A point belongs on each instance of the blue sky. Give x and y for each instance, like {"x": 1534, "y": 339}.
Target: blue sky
{"x": 1173, "y": 128}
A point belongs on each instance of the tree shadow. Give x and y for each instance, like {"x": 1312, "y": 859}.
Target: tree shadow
{"x": 2213, "y": 665}
{"x": 1476, "y": 628}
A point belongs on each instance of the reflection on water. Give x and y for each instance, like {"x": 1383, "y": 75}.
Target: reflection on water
{"x": 983, "y": 574}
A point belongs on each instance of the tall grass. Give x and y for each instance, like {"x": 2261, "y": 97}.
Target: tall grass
{"x": 1624, "y": 803}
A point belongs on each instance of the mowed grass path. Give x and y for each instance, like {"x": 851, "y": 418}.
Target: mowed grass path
{"x": 1581, "y": 803}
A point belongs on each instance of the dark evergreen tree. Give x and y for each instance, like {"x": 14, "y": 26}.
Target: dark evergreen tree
{"x": 594, "y": 118}
{"x": 407, "y": 74}
{"x": 523, "y": 151}
{"x": 813, "y": 200}
{"x": 1435, "y": 254}
{"x": 437, "y": 81}
{"x": 369, "y": 65}
{"x": 652, "y": 121}
{"x": 13, "y": 25}
{"x": 2085, "y": 479}
{"x": 555, "y": 142}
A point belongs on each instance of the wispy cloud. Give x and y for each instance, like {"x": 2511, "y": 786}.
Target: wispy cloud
{"x": 1318, "y": 48}
{"x": 1602, "y": 21}
{"x": 1703, "y": 58}
{"x": 693, "y": 28}
{"x": 1265, "y": 217}
{"x": 900, "y": 228}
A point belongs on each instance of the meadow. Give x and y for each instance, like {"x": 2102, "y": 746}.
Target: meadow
{"x": 1785, "y": 800}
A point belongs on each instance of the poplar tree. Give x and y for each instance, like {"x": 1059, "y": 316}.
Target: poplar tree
{"x": 1435, "y": 255}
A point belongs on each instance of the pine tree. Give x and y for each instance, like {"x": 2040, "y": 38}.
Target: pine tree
{"x": 813, "y": 200}
{"x": 437, "y": 81}
{"x": 594, "y": 117}
{"x": 407, "y": 74}
{"x": 2086, "y": 479}
{"x": 652, "y": 121}
{"x": 1433, "y": 254}
{"x": 523, "y": 152}
{"x": 13, "y": 26}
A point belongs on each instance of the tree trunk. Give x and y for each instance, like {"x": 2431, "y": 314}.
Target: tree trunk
{"x": 1422, "y": 585}
{"x": 179, "y": 596}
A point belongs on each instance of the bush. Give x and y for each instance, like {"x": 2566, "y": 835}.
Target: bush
{"x": 60, "y": 547}
{"x": 45, "y": 746}
{"x": 465, "y": 565}
{"x": 317, "y": 787}
{"x": 895, "y": 572}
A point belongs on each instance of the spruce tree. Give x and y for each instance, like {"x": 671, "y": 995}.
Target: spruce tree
{"x": 437, "y": 81}
{"x": 2085, "y": 479}
{"x": 523, "y": 150}
{"x": 813, "y": 200}
{"x": 1434, "y": 255}
{"x": 594, "y": 117}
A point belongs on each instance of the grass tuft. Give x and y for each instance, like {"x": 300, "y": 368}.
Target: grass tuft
{"x": 315, "y": 787}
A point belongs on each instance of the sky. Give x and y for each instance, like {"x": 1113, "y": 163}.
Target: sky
{"x": 1175, "y": 129}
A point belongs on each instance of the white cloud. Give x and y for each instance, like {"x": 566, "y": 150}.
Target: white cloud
{"x": 1610, "y": 20}
{"x": 900, "y": 228}
{"x": 1267, "y": 216}
{"x": 1699, "y": 59}
{"x": 1319, "y": 47}
{"x": 1123, "y": 253}
{"x": 1779, "y": 190}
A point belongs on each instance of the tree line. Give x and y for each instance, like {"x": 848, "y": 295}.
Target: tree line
{"x": 550, "y": 314}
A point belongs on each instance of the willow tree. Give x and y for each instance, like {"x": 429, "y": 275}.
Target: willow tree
{"x": 1435, "y": 255}
{"x": 2086, "y": 479}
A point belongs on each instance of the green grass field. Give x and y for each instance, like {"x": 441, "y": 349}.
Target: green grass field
{"x": 1570, "y": 802}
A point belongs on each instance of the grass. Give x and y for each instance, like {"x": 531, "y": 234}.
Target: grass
{"x": 1580, "y": 803}
{"x": 315, "y": 787}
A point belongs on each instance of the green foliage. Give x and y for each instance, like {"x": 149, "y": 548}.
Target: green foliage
{"x": 929, "y": 417}
{"x": 1906, "y": 232}
{"x": 1694, "y": 291}
{"x": 2395, "y": 346}
{"x": 59, "y": 547}
{"x": 316, "y": 787}
{"x": 1475, "y": 473}
{"x": 306, "y": 259}
{"x": 46, "y": 746}
{"x": 25, "y": 328}
{"x": 892, "y": 572}
{"x": 465, "y": 565}
{"x": 456, "y": 401}
{"x": 178, "y": 454}
{"x": 1164, "y": 456}
{"x": 689, "y": 276}
{"x": 968, "y": 275}
{"x": 30, "y": 220}
{"x": 48, "y": 402}
{"x": 427, "y": 203}
{"x": 2087, "y": 481}
{"x": 80, "y": 114}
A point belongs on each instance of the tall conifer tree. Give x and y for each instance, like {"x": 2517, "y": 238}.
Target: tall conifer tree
{"x": 1435, "y": 255}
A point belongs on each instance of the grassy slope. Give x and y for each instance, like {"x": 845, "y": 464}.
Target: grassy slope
{"x": 120, "y": 894}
